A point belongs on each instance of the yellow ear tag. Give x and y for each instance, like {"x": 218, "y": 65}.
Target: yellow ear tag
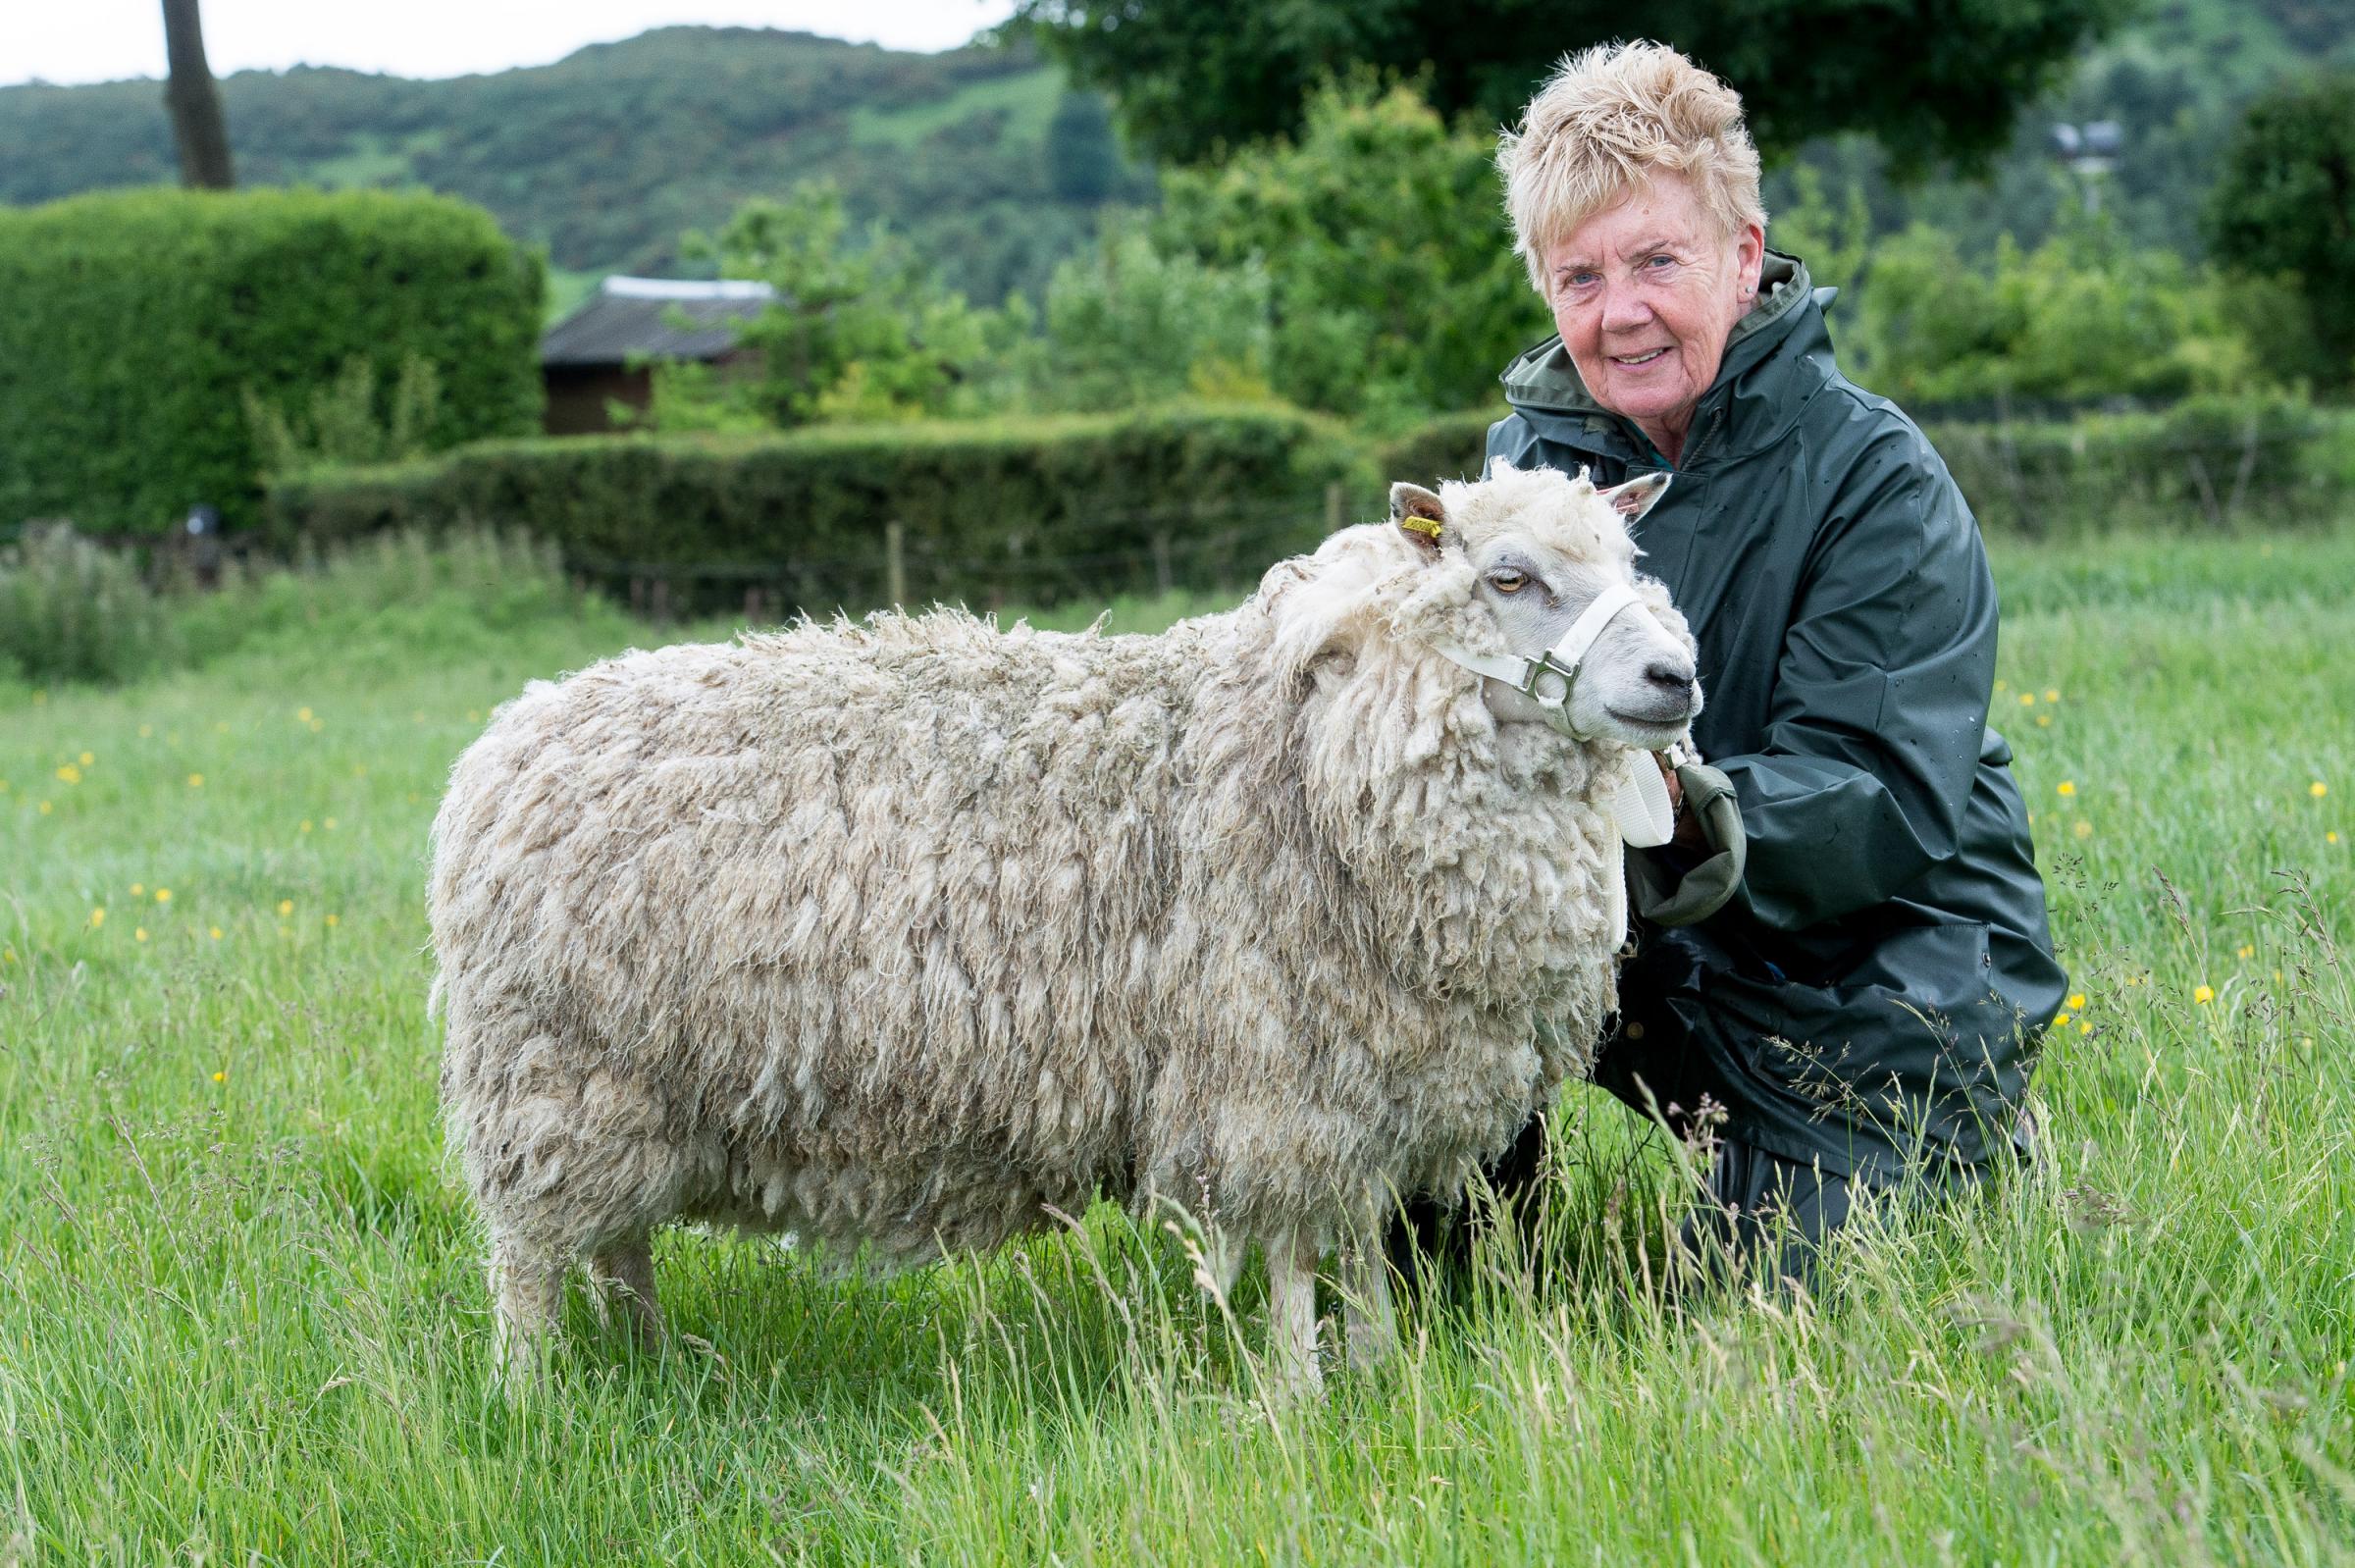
{"x": 1415, "y": 522}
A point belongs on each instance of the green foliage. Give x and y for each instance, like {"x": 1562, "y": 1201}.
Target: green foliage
{"x": 71, "y": 610}
{"x": 137, "y": 323}
{"x": 1131, "y": 324}
{"x": 2082, "y": 316}
{"x": 854, "y": 332}
{"x": 2284, "y": 205}
{"x": 346, "y": 425}
{"x": 1389, "y": 266}
{"x": 607, "y": 156}
{"x": 1196, "y": 79}
{"x": 1449, "y": 446}
{"x": 1038, "y": 510}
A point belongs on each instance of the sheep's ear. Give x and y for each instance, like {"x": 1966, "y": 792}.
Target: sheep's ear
{"x": 1419, "y": 514}
{"x": 1639, "y": 494}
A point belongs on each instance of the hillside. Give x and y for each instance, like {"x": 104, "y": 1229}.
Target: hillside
{"x": 990, "y": 164}
{"x": 607, "y": 155}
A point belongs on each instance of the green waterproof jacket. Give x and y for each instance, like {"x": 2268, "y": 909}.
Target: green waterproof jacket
{"x": 1874, "y": 990}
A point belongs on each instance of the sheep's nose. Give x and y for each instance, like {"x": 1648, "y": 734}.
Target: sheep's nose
{"x": 1676, "y": 678}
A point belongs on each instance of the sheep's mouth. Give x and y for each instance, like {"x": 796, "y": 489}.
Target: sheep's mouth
{"x": 1660, "y": 718}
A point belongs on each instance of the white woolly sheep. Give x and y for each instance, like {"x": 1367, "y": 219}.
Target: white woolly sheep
{"x": 900, "y": 935}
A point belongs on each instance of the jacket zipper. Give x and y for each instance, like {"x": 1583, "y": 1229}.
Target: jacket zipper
{"x": 1716, "y": 419}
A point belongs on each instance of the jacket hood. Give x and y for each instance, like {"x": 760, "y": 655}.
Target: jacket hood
{"x": 1775, "y": 359}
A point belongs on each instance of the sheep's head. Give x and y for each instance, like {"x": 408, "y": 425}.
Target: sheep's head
{"x": 1508, "y": 566}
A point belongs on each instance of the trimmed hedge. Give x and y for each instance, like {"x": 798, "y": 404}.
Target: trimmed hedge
{"x": 135, "y": 322}
{"x": 1028, "y": 510}
{"x": 1450, "y": 446}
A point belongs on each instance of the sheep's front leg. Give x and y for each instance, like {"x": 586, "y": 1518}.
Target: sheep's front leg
{"x": 1370, "y": 1322}
{"x": 1292, "y": 1315}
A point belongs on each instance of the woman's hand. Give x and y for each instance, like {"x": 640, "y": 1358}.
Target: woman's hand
{"x": 1688, "y": 826}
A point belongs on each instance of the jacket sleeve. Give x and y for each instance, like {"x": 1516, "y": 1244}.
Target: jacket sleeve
{"x": 1880, "y": 697}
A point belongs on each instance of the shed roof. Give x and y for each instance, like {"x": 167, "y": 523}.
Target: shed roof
{"x": 663, "y": 318}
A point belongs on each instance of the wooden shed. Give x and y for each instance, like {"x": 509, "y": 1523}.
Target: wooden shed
{"x": 602, "y": 350}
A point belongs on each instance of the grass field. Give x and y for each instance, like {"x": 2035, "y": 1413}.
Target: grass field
{"x": 242, "y": 1317}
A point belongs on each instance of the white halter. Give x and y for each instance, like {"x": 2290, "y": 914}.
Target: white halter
{"x": 1639, "y": 806}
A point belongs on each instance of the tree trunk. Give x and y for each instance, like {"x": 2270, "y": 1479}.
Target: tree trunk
{"x": 197, "y": 126}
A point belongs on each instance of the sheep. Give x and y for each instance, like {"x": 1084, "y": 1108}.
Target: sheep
{"x": 901, "y": 936}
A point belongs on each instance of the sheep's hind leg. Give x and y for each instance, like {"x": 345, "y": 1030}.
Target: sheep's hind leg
{"x": 1292, "y": 1315}
{"x": 623, "y": 1272}
{"x": 1370, "y": 1322}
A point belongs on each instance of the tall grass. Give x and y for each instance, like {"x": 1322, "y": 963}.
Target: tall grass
{"x": 243, "y": 1319}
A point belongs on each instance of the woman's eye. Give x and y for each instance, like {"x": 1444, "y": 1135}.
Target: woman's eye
{"x": 1659, "y": 261}
{"x": 1507, "y": 581}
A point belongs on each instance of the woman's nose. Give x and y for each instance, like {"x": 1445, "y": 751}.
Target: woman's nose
{"x": 1624, "y": 309}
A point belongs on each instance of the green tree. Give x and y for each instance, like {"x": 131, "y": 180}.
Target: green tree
{"x": 1131, "y": 324}
{"x": 856, "y": 329}
{"x": 2284, "y": 208}
{"x": 1928, "y": 77}
{"x": 2083, "y": 315}
{"x": 1391, "y": 277}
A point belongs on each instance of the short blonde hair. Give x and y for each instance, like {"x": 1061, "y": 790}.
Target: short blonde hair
{"x": 1607, "y": 119}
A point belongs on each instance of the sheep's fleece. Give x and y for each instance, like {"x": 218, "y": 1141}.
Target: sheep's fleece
{"x": 900, "y": 934}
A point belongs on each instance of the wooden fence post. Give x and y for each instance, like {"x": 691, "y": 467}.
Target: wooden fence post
{"x": 895, "y": 561}
{"x": 1163, "y": 577}
{"x": 1335, "y": 506}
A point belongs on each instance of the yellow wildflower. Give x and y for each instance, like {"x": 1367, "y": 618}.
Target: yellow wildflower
{"x": 2248, "y": 950}
{"x": 317, "y": 725}
{"x": 2027, "y": 699}
{"x": 2203, "y": 995}
{"x": 45, "y": 807}
{"x": 2331, "y": 837}
{"x": 2083, "y": 829}
{"x": 2052, "y": 694}
{"x": 306, "y": 824}
{"x": 69, "y": 774}
{"x": 97, "y": 917}
{"x": 138, "y": 889}
{"x": 196, "y": 781}
{"x": 302, "y": 715}
{"x": 2084, "y": 1027}
{"x": 286, "y": 906}
{"x": 214, "y": 933}
{"x": 2077, "y": 1002}
{"x": 2317, "y": 789}
{"x": 2068, "y": 786}
{"x": 2044, "y": 721}
{"x": 2060, "y": 1019}
{"x": 163, "y": 895}
{"x": 86, "y": 760}
{"x": 330, "y": 825}
{"x": 2003, "y": 686}
{"x": 334, "y": 921}
{"x": 138, "y": 933}
{"x": 220, "y": 1077}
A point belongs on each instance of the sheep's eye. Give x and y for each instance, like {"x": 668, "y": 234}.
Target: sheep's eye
{"x": 1508, "y": 582}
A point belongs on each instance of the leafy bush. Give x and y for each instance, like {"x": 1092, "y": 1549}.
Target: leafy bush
{"x": 137, "y": 321}
{"x": 1130, "y": 325}
{"x": 2082, "y": 316}
{"x": 857, "y": 331}
{"x": 1031, "y": 510}
{"x": 71, "y": 610}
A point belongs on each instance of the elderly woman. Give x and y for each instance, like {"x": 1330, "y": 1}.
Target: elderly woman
{"x": 1866, "y": 998}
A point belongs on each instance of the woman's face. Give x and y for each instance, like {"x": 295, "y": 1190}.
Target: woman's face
{"x": 1644, "y": 295}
